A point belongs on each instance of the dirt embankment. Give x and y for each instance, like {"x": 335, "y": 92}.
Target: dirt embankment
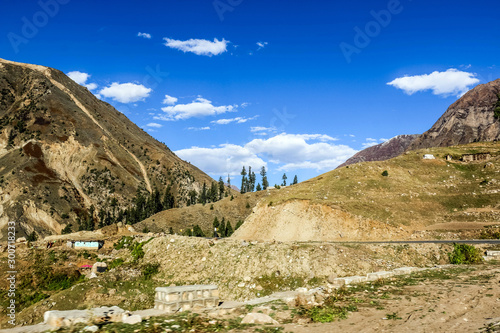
{"x": 244, "y": 270}
{"x": 301, "y": 220}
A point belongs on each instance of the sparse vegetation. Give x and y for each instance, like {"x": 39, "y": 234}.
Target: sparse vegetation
{"x": 497, "y": 108}
{"x": 464, "y": 254}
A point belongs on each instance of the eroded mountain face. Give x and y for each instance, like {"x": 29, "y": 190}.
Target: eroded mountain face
{"x": 470, "y": 119}
{"x": 383, "y": 151}
{"x": 67, "y": 157}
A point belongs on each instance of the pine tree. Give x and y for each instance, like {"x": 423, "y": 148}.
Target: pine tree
{"x": 216, "y": 226}
{"x": 239, "y": 224}
{"x": 192, "y": 197}
{"x": 251, "y": 182}
{"x": 222, "y": 188}
{"x": 203, "y": 196}
{"x": 168, "y": 199}
{"x": 222, "y": 228}
{"x": 284, "y": 179}
{"x": 214, "y": 192}
{"x": 295, "y": 180}
{"x": 229, "y": 229}
{"x": 243, "y": 180}
{"x": 258, "y": 188}
{"x": 265, "y": 183}
{"x": 197, "y": 232}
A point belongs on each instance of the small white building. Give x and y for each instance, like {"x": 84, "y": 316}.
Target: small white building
{"x": 429, "y": 157}
{"x": 87, "y": 245}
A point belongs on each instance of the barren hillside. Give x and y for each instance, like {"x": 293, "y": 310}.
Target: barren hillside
{"x": 358, "y": 202}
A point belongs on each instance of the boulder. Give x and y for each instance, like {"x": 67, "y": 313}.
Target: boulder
{"x": 258, "y": 318}
{"x": 99, "y": 267}
{"x": 128, "y": 318}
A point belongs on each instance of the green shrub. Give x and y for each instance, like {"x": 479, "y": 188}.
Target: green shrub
{"x": 490, "y": 234}
{"x": 115, "y": 263}
{"x": 197, "y": 232}
{"x": 392, "y": 316}
{"x": 329, "y": 311}
{"x": 385, "y": 173}
{"x": 67, "y": 229}
{"x": 464, "y": 254}
{"x": 32, "y": 237}
{"x": 149, "y": 270}
{"x": 124, "y": 242}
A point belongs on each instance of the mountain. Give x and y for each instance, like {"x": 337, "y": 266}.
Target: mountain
{"x": 469, "y": 119}
{"x": 383, "y": 151}
{"x": 68, "y": 158}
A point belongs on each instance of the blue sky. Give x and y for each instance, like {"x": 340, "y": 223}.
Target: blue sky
{"x": 297, "y": 86}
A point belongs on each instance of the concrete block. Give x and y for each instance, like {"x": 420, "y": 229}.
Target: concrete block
{"x": 338, "y": 282}
{"x": 379, "y": 275}
{"x": 131, "y": 319}
{"x": 354, "y": 279}
{"x": 404, "y": 270}
{"x": 56, "y": 319}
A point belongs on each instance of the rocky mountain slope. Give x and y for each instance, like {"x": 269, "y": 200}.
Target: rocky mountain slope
{"x": 470, "y": 119}
{"x": 383, "y": 151}
{"x": 68, "y": 158}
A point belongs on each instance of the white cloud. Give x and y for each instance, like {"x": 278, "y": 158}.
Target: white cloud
{"x": 206, "y": 128}
{"x": 169, "y": 100}
{"x": 451, "y": 82}
{"x": 91, "y": 86}
{"x": 155, "y": 125}
{"x": 81, "y": 78}
{"x": 261, "y": 45}
{"x": 223, "y": 160}
{"x": 239, "y": 120}
{"x": 145, "y": 35}
{"x": 198, "y": 46}
{"x": 370, "y": 142}
{"x": 126, "y": 92}
{"x": 200, "y": 107}
{"x": 259, "y": 130}
{"x": 295, "y": 148}
{"x": 289, "y": 151}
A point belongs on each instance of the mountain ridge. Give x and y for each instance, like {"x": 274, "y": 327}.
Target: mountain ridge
{"x": 63, "y": 151}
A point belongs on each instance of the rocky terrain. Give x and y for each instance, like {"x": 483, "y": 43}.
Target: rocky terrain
{"x": 65, "y": 156}
{"x": 383, "y": 151}
{"x": 437, "y": 299}
{"x": 242, "y": 270}
{"x": 470, "y": 119}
